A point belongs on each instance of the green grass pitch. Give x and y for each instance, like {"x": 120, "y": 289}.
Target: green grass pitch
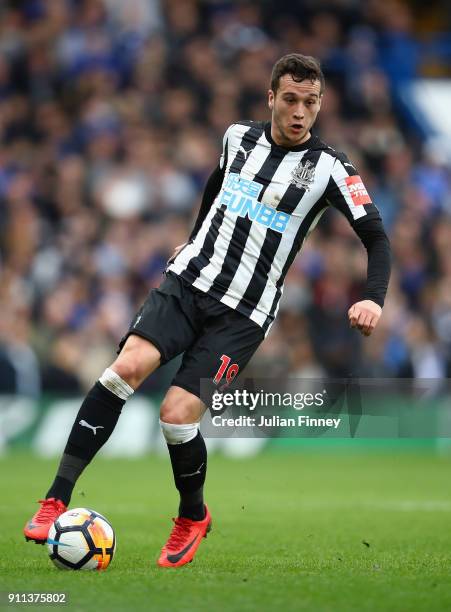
{"x": 291, "y": 531}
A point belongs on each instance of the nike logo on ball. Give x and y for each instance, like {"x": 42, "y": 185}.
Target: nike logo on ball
{"x": 57, "y": 543}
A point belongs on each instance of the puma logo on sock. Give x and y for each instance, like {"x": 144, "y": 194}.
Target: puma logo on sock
{"x": 83, "y": 423}
{"x": 193, "y": 473}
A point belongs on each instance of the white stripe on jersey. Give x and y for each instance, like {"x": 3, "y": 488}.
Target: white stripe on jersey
{"x": 323, "y": 168}
{"x": 232, "y": 140}
{"x": 232, "y": 137}
{"x": 194, "y": 248}
{"x": 245, "y": 270}
{"x": 255, "y": 160}
{"x": 315, "y": 222}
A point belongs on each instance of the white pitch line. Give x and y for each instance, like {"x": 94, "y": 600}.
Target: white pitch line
{"x": 398, "y": 506}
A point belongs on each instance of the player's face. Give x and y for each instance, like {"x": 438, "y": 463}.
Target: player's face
{"x": 294, "y": 110}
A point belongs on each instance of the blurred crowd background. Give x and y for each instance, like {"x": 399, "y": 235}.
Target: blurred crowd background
{"x": 111, "y": 119}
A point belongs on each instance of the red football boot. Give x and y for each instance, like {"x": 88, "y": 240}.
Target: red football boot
{"x": 38, "y": 528}
{"x": 186, "y": 535}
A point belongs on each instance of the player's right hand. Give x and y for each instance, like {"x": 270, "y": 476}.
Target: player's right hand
{"x": 176, "y": 252}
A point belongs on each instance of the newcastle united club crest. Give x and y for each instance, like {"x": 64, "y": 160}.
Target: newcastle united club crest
{"x": 303, "y": 175}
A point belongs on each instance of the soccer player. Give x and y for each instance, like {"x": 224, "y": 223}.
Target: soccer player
{"x": 222, "y": 288}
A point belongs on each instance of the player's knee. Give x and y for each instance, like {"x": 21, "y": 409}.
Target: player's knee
{"x": 132, "y": 369}
{"x": 136, "y": 361}
{"x": 176, "y": 413}
{"x": 129, "y": 370}
{"x": 180, "y": 407}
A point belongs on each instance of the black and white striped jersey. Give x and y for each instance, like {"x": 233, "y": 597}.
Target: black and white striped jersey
{"x": 270, "y": 199}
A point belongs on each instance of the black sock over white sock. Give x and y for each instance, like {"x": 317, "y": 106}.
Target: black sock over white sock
{"x": 189, "y": 465}
{"x": 93, "y": 425}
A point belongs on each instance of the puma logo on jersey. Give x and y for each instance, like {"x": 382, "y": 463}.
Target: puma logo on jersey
{"x": 94, "y": 428}
{"x": 244, "y": 152}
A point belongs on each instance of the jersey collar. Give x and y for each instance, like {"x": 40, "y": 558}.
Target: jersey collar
{"x": 308, "y": 144}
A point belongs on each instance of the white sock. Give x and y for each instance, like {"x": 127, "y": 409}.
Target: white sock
{"x": 114, "y": 383}
{"x": 179, "y": 434}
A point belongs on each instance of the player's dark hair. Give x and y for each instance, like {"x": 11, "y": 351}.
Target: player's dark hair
{"x": 300, "y": 67}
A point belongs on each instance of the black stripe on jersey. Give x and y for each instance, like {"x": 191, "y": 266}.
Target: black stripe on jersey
{"x": 290, "y": 200}
{"x": 320, "y": 205}
{"x": 202, "y": 260}
{"x": 242, "y": 228}
{"x": 248, "y": 142}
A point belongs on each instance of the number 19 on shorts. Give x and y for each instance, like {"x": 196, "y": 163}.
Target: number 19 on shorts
{"x": 227, "y": 369}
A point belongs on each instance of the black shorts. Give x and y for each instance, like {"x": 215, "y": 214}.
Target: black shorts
{"x": 217, "y": 341}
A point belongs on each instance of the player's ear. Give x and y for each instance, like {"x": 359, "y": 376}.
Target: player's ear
{"x": 270, "y": 99}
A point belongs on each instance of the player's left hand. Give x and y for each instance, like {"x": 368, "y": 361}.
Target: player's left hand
{"x": 364, "y": 316}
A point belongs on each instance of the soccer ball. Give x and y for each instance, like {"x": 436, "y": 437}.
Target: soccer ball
{"x": 81, "y": 539}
